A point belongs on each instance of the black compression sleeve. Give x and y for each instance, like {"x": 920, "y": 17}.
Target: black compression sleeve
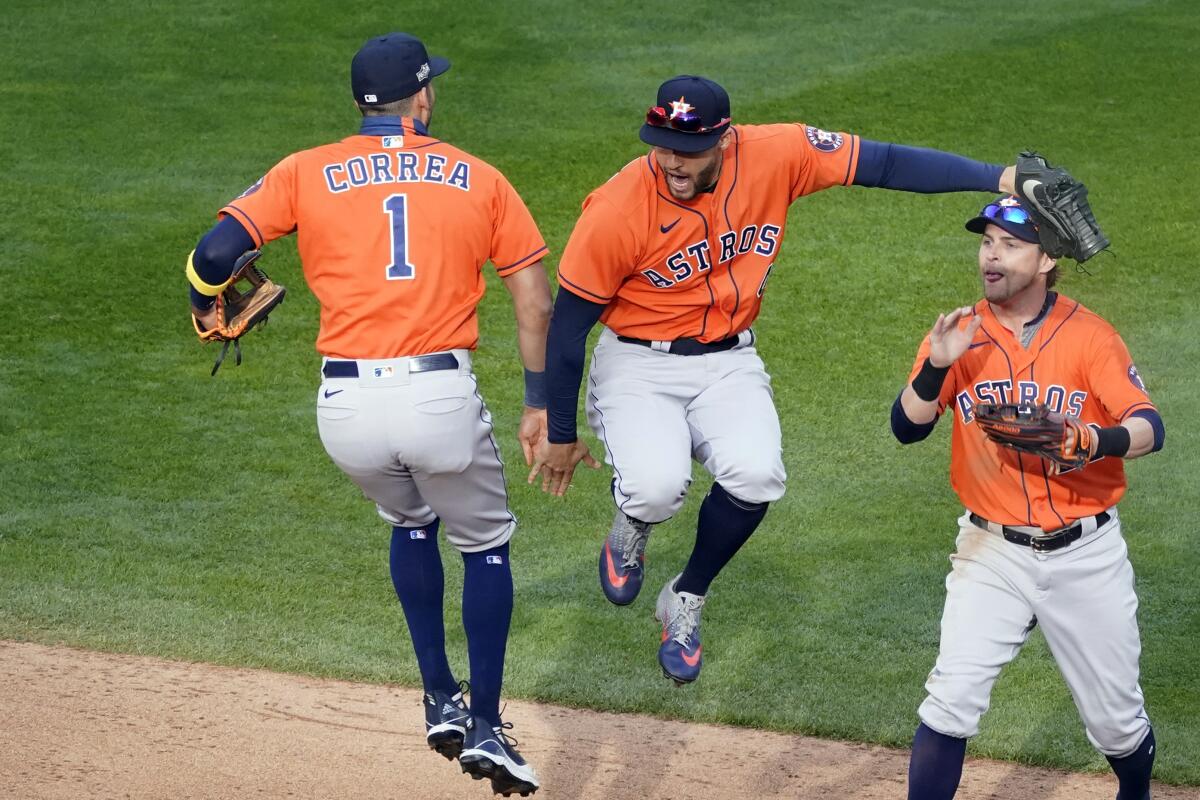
{"x": 919, "y": 169}
{"x": 566, "y": 344}
{"x": 216, "y": 253}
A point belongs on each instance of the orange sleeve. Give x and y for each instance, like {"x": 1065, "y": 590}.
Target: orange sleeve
{"x": 267, "y": 210}
{"x": 1115, "y": 381}
{"x": 948, "y": 386}
{"x": 821, "y": 159}
{"x": 601, "y": 253}
{"x": 516, "y": 241}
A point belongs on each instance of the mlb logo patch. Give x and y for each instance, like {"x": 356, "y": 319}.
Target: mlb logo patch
{"x": 495, "y": 560}
{"x": 417, "y": 535}
{"x": 393, "y": 142}
{"x": 824, "y": 141}
{"x": 384, "y": 372}
{"x": 370, "y": 98}
{"x": 423, "y": 72}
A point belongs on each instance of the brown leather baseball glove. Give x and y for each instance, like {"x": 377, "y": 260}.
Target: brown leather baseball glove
{"x": 1062, "y": 440}
{"x": 237, "y": 311}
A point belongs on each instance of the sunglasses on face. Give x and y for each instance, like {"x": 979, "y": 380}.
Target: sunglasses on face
{"x": 687, "y": 121}
{"x": 1013, "y": 214}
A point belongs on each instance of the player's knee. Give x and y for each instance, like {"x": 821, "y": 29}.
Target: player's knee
{"x": 651, "y": 497}
{"x": 956, "y": 718}
{"x": 755, "y": 480}
{"x": 1118, "y": 737}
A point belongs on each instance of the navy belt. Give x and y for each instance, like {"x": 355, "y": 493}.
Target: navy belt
{"x": 429, "y": 363}
{"x": 1042, "y": 544}
{"x": 688, "y": 347}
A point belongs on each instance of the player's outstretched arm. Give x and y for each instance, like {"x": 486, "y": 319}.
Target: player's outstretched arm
{"x": 947, "y": 342}
{"x": 556, "y": 458}
{"x": 531, "y": 303}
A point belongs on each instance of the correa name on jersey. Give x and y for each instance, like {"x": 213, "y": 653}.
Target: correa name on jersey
{"x": 1000, "y": 391}
{"x": 694, "y": 259}
{"x": 404, "y": 166}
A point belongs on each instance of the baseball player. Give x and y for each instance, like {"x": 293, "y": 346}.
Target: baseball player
{"x": 393, "y": 228}
{"x": 1036, "y": 546}
{"x": 673, "y": 254}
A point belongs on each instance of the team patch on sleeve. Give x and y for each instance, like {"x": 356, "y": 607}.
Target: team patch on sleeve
{"x": 824, "y": 141}
{"x": 1135, "y": 378}
{"x": 252, "y": 189}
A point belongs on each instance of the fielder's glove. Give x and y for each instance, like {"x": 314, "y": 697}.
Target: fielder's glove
{"x": 1058, "y": 204}
{"x": 237, "y": 312}
{"x": 1062, "y": 440}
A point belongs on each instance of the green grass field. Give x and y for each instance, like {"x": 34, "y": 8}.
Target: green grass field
{"x": 150, "y": 509}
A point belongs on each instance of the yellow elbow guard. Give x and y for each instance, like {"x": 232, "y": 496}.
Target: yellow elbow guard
{"x": 198, "y": 283}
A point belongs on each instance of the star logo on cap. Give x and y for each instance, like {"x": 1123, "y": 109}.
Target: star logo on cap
{"x": 680, "y": 106}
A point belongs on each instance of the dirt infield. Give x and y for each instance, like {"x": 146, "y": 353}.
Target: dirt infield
{"x": 81, "y": 724}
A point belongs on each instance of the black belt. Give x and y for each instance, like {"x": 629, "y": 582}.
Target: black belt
{"x": 688, "y": 347}
{"x": 429, "y": 363}
{"x": 1042, "y": 544}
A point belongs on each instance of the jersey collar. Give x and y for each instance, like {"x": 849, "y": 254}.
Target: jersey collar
{"x": 392, "y": 126}
{"x": 1045, "y": 312}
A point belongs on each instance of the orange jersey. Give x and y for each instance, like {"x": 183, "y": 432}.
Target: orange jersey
{"x": 393, "y": 231}
{"x": 670, "y": 269}
{"x": 1078, "y": 365}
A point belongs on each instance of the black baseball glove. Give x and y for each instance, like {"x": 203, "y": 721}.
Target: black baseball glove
{"x": 1058, "y": 204}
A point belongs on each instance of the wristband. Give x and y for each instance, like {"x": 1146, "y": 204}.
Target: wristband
{"x": 535, "y": 389}
{"x": 928, "y": 383}
{"x": 198, "y": 283}
{"x": 1112, "y": 441}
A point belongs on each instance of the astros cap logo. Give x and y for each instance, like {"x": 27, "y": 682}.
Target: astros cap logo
{"x": 680, "y": 106}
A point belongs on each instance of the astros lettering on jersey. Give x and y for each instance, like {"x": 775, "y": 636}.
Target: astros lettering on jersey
{"x": 409, "y": 284}
{"x": 1078, "y": 365}
{"x": 702, "y": 264}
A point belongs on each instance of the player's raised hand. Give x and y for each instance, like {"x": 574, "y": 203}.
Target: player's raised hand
{"x": 532, "y": 431}
{"x": 556, "y": 464}
{"x": 948, "y": 340}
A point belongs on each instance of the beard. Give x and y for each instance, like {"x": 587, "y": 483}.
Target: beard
{"x": 704, "y": 181}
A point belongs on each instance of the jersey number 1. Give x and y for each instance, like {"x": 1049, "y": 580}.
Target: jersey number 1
{"x": 399, "y": 269}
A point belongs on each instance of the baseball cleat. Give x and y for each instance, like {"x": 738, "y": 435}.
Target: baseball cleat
{"x": 622, "y": 559}
{"x": 489, "y": 752}
{"x": 680, "y": 652}
{"x": 447, "y": 721}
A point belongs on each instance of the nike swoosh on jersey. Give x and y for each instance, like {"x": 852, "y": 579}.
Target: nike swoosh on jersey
{"x": 329, "y": 394}
{"x": 667, "y": 228}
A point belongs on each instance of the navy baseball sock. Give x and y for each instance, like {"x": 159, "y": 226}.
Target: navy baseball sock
{"x": 419, "y": 583}
{"x": 1133, "y": 771}
{"x": 724, "y": 526}
{"x": 935, "y": 767}
{"x": 487, "y": 610}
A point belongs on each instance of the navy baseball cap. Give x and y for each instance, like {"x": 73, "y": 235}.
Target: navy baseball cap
{"x": 392, "y": 67}
{"x": 1007, "y": 213}
{"x": 690, "y": 116}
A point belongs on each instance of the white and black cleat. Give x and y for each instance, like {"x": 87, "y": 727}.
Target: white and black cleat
{"x": 489, "y": 752}
{"x": 447, "y": 721}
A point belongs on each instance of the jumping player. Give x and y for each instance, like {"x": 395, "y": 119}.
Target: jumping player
{"x": 393, "y": 228}
{"x": 1034, "y": 548}
{"x": 673, "y": 255}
